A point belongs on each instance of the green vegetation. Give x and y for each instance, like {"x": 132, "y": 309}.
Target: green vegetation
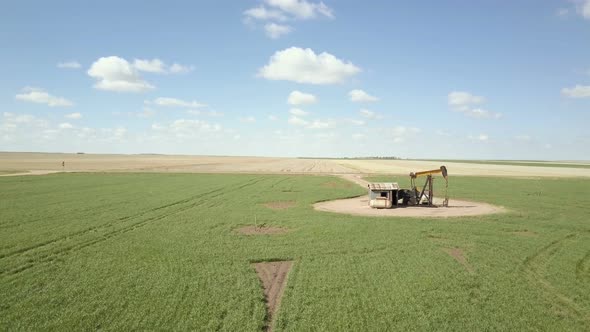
{"x": 516, "y": 163}
{"x": 159, "y": 252}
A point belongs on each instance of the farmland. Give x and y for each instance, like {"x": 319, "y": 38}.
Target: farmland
{"x": 160, "y": 251}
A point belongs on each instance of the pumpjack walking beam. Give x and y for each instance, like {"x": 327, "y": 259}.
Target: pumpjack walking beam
{"x": 429, "y": 194}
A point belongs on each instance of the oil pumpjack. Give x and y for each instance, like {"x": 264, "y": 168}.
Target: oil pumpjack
{"x": 388, "y": 195}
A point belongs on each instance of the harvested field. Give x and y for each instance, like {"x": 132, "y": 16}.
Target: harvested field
{"x": 273, "y": 276}
{"x": 261, "y": 230}
{"x": 51, "y": 162}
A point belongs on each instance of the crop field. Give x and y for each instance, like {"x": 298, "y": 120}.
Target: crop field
{"x": 161, "y": 251}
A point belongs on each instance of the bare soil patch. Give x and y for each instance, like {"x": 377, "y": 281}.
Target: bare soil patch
{"x": 359, "y": 206}
{"x": 280, "y": 205}
{"x": 458, "y": 255}
{"x": 273, "y": 276}
{"x": 261, "y": 230}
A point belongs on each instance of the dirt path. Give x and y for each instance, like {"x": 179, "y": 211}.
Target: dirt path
{"x": 359, "y": 206}
{"x": 35, "y": 172}
{"x": 273, "y": 276}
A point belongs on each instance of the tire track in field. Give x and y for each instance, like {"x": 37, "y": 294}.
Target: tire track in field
{"x": 53, "y": 255}
{"x": 534, "y": 267}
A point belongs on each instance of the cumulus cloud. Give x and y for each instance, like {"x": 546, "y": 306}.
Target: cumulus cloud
{"x": 174, "y": 102}
{"x": 40, "y": 96}
{"x": 150, "y": 66}
{"x": 315, "y": 124}
{"x": 579, "y": 91}
{"x": 263, "y": 14}
{"x": 297, "y": 121}
{"x": 275, "y": 31}
{"x": 300, "y": 98}
{"x": 69, "y": 65}
{"x": 282, "y": 10}
{"x": 65, "y": 125}
{"x": 160, "y": 67}
{"x": 302, "y": 9}
{"x": 360, "y": 96}
{"x": 305, "y": 66}
{"x": 461, "y": 98}
{"x": 467, "y": 103}
{"x": 369, "y": 114}
{"x": 298, "y": 112}
{"x": 74, "y": 116}
{"x": 117, "y": 74}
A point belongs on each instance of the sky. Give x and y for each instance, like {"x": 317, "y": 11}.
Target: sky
{"x": 451, "y": 79}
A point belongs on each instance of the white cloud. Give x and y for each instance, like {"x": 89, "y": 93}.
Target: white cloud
{"x": 211, "y": 113}
{"x": 583, "y": 8}
{"x": 466, "y": 103}
{"x": 562, "y": 12}
{"x": 174, "y": 102}
{"x": 150, "y": 66}
{"x": 481, "y": 113}
{"x": 369, "y": 114}
{"x": 355, "y": 122}
{"x": 524, "y": 138}
{"x": 248, "y": 119}
{"x": 160, "y": 67}
{"x": 117, "y": 74}
{"x": 319, "y": 124}
{"x": 40, "y": 96}
{"x": 298, "y": 112}
{"x": 401, "y": 133}
{"x": 69, "y": 65}
{"x": 183, "y": 128}
{"x": 65, "y": 125}
{"x": 262, "y": 13}
{"x": 296, "y": 121}
{"x": 443, "y": 133}
{"x": 177, "y": 68}
{"x": 74, "y": 116}
{"x": 480, "y": 137}
{"x": 358, "y": 136}
{"x": 300, "y": 98}
{"x": 275, "y": 31}
{"x": 304, "y": 66}
{"x": 579, "y": 91}
{"x": 302, "y": 9}
{"x": 273, "y": 117}
{"x": 360, "y": 96}
{"x": 461, "y": 98}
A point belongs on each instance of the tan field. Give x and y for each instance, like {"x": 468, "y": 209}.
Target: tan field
{"x": 43, "y": 163}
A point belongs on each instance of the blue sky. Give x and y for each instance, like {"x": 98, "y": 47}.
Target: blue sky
{"x": 415, "y": 79}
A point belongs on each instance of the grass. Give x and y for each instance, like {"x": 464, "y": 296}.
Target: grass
{"x": 158, "y": 252}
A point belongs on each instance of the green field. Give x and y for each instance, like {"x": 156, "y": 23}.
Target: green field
{"x": 159, "y": 252}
